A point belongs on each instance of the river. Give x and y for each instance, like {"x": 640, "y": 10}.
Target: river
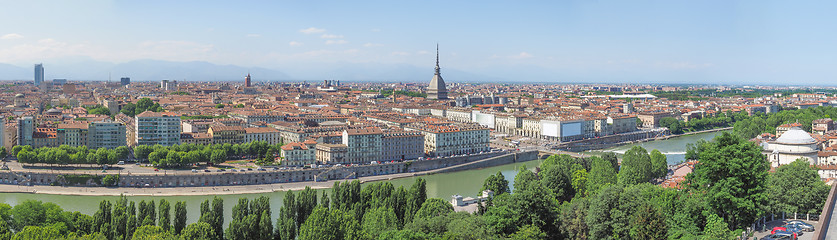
{"x": 673, "y": 148}
{"x": 466, "y": 183}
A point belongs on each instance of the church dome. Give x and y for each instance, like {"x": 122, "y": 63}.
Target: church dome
{"x": 796, "y": 136}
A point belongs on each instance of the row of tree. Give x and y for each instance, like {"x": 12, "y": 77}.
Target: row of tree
{"x": 185, "y": 154}
{"x": 144, "y": 104}
{"x": 751, "y": 127}
{"x": 64, "y": 154}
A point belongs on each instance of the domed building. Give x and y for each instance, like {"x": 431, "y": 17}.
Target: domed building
{"x": 793, "y": 144}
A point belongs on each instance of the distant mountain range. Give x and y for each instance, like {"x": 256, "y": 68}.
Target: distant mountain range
{"x": 154, "y": 70}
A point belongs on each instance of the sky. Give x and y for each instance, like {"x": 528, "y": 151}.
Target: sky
{"x": 728, "y": 42}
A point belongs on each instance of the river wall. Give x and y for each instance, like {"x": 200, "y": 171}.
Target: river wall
{"x": 190, "y": 179}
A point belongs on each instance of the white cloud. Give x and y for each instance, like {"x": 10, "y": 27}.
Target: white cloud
{"x": 312, "y": 30}
{"x": 332, "y": 42}
{"x": 401, "y": 53}
{"x": 253, "y": 35}
{"x": 331, "y": 36}
{"x": 372, "y": 45}
{"x": 11, "y": 36}
{"x": 422, "y": 52}
{"x": 522, "y": 55}
{"x": 295, "y": 43}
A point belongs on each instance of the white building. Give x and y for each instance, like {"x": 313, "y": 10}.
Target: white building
{"x": 791, "y": 145}
{"x": 157, "y": 128}
{"x": 105, "y": 134}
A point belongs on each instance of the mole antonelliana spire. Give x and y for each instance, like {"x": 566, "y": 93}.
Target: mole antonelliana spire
{"x": 437, "y": 89}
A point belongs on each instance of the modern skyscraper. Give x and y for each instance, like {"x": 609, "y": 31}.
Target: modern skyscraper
{"x": 247, "y": 81}
{"x": 437, "y": 89}
{"x": 39, "y": 74}
{"x": 125, "y": 81}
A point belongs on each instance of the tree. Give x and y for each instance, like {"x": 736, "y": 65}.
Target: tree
{"x": 601, "y": 175}
{"x": 672, "y": 124}
{"x": 377, "y": 221}
{"x": 797, "y": 188}
{"x": 37, "y": 232}
{"x": 433, "y": 207}
{"x": 179, "y": 217}
{"x": 323, "y": 224}
{"x": 579, "y": 182}
{"x": 659, "y": 166}
{"x": 218, "y": 156}
{"x": 572, "y": 218}
{"x": 218, "y": 217}
{"x": 612, "y": 159}
{"x": 496, "y": 183}
{"x": 524, "y": 179}
{"x": 733, "y": 174}
{"x": 151, "y": 232}
{"x": 165, "y": 215}
{"x": 417, "y": 196}
{"x": 220, "y": 105}
{"x": 636, "y": 167}
{"x": 198, "y": 231}
{"x": 3, "y": 153}
{"x": 648, "y": 223}
{"x": 716, "y": 228}
{"x": 528, "y": 232}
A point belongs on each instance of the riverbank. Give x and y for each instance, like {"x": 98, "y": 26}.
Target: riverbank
{"x": 255, "y": 188}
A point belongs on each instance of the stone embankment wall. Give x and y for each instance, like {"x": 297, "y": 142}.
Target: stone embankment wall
{"x": 270, "y": 176}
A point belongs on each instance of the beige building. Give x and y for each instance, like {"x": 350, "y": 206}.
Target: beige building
{"x": 226, "y": 134}
{"x": 106, "y": 134}
{"x": 331, "y": 153}
{"x": 298, "y": 154}
{"x": 264, "y": 134}
{"x": 195, "y": 138}
{"x": 623, "y": 124}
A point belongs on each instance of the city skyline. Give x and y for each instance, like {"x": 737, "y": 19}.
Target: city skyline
{"x": 714, "y": 42}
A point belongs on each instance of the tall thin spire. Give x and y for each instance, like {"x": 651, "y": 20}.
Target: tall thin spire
{"x": 437, "y": 58}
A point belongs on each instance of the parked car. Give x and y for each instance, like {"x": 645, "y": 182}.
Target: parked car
{"x": 194, "y": 170}
{"x": 778, "y": 231}
{"x": 802, "y": 225}
{"x": 206, "y": 170}
{"x": 777, "y": 237}
{"x": 793, "y": 229}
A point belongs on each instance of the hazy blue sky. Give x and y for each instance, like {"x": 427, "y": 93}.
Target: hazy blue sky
{"x": 771, "y": 42}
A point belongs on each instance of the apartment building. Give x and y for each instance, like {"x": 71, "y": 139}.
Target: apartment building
{"x": 105, "y": 134}
{"x": 298, "y": 154}
{"x": 364, "y": 144}
{"x": 447, "y": 140}
{"x": 157, "y": 128}
{"x": 226, "y": 134}
{"x": 331, "y": 153}
{"x": 400, "y": 145}
{"x": 264, "y": 134}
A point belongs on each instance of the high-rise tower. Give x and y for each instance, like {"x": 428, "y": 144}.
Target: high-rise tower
{"x": 39, "y": 74}
{"x": 247, "y": 80}
{"x": 437, "y": 89}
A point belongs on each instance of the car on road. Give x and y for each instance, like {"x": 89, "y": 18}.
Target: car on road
{"x": 194, "y": 170}
{"x": 120, "y": 163}
{"x": 206, "y": 170}
{"x": 801, "y": 225}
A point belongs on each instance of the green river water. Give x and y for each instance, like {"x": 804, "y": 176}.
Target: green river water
{"x": 466, "y": 183}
